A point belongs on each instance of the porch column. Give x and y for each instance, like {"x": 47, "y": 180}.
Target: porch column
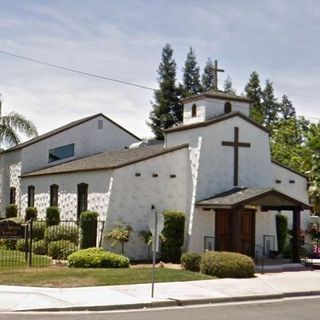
{"x": 236, "y": 229}
{"x": 296, "y": 235}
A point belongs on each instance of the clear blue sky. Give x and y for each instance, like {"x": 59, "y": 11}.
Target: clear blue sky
{"x": 123, "y": 39}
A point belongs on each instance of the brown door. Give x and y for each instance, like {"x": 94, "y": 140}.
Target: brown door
{"x": 223, "y": 230}
{"x": 248, "y": 232}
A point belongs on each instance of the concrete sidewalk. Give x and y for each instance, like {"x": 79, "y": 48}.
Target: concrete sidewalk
{"x": 268, "y": 286}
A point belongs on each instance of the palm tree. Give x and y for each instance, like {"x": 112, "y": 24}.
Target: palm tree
{"x": 13, "y": 124}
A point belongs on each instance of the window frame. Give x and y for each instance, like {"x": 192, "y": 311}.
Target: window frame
{"x": 194, "y": 111}
{"x": 31, "y": 195}
{"x": 82, "y": 188}
{"x": 54, "y": 195}
{"x": 13, "y": 194}
{"x": 69, "y": 155}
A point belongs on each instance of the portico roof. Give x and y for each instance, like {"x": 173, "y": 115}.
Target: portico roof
{"x": 267, "y": 198}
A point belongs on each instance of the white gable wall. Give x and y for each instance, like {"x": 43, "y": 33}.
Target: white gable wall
{"x": 88, "y": 140}
{"x": 132, "y": 196}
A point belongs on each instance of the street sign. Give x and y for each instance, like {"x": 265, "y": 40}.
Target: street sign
{"x": 155, "y": 224}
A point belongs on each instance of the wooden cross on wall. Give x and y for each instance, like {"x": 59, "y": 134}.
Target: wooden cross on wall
{"x": 236, "y": 144}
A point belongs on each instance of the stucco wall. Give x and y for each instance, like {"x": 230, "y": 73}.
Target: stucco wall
{"x": 132, "y": 196}
{"x": 88, "y": 140}
{"x": 209, "y": 108}
{"x": 98, "y": 197}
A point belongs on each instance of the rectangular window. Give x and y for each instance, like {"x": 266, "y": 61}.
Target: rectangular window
{"x": 54, "y": 189}
{"x": 12, "y": 195}
{"x": 62, "y": 152}
{"x": 30, "y": 196}
{"x": 82, "y": 198}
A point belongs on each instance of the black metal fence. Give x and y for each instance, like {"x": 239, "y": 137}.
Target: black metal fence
{"x": 35, "y": 243}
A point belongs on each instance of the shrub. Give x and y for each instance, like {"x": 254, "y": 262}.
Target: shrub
{"x": 282, "y": 231}
{"x": 61, "y": 232}
{"x": 40, "y": 247}
{"x": 88, "y": 225}
{"x": 31, "y": 213}
{"x": 11, "y": 211}
{"x": 22, "y": 245}
{"x": 61, "y": 249}
{"x": 97, "y": 258}
{"x": 227, "y": 265}
{"x": 9, "y": 244}
{"x": 38, "y": 229}
{"x": 172, "y": 236}
{"x": 53, "y": 216}
{"x": 191, "y": 261}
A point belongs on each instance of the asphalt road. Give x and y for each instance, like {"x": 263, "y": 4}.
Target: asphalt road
{"x": 293, "y": 309}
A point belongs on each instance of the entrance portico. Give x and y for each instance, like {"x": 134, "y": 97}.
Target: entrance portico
{"x": 235, "y": 217}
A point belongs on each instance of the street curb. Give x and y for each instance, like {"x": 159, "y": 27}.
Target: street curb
{"x": 179, "y": 303}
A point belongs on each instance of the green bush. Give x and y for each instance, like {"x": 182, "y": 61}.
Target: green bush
{"x": 282, "y": 231}
{"x": 191, "y": 261}
{"x": 97, "y": 258}
{"x": 61, "y": 249}
{"x": 227, "y": 265}
{"x": 31, "y": 213}
{"x": 11, "y": 211}
{"x": 21, "y": 245}
{"x": 9, "y": 244}
{"x": 88, "y": 225}
{"x": 40, "y": 247}
{"x": 62, "y": 232}
{"x": 172, "y": 236}
{"x": 38, "y": 229}
{"x": 53, "y": 216}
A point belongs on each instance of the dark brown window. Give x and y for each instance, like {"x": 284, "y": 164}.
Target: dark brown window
{"x": 12, "y": 195}
{"x": 54, "y": 189}
{"x": 194, "y": 110}
{"x": 82, "y": 198}
{"x": 31, "y": 196}
{"x": 227, "y": 107}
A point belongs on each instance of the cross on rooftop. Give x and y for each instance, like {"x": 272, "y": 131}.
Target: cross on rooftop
{"x": 215, "y": 71}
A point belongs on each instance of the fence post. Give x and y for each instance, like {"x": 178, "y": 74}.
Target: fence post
{"x": 26, "y": 231}
{"x": 30, "y": 246}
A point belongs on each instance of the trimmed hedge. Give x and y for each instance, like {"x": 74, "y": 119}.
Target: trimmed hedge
{"x": 38, "y": 229}
{"x": 282, "y": 231}
{"x": 56, "y": 233}
{"x": 52, "y": 216}
{"x": 191, "y": 261}
{"x": 88, "y": 225}
{"x": 97, "y": 258}
{"x": 22, "y": 245}
{"x": 172, "y": 236}
{"x": 9, "y": 244}
{"x": 31, "y": 213}
{"x": 11, "y": 211}
{"x": 227, "y": 265}
{"x": 61, "y": 249}
{"x": 40, "y": 247}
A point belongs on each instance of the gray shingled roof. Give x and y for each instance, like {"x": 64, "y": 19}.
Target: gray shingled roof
{"x": 251, "y": 196}
{"x": 218, "y": 94}
{"x": 107, "y": 160}
{"x": 63, "y": 128}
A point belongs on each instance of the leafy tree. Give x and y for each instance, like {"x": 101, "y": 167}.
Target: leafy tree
{"x": 253, "y": 91}
{"x": 167, "y": 107}
{"x": 191, "y": 75}
{"x": 12, "y": 125}
{"x": 286, "y": 108}
{"x": 227, "y": 87}
{"x": 208, "y": 79}
{"x": 270, "y": 105}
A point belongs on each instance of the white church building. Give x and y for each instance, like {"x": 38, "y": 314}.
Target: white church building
{"x": 215, "y": 167}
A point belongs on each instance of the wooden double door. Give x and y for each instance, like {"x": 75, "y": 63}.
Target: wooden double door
{"x": 235, "y": 235}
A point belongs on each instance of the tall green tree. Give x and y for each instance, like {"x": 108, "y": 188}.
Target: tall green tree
{"x": 12, "y": 126}
{"x": 286, "y": 108}
{"x": 167, "y": 107}
{"x": 191, "y": 75}
{"x": 227, "y": 87}
{"x": 254, "y": 92}
{"x": 270, "y": 106}
{"x": 208, "y": 79}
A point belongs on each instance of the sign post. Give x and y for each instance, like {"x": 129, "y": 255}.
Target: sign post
{"x": 155, "y": 225}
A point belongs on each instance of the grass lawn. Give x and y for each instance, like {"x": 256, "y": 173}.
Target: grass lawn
{"x": 60, "y": 277}
{"x": 14, "y": 258}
